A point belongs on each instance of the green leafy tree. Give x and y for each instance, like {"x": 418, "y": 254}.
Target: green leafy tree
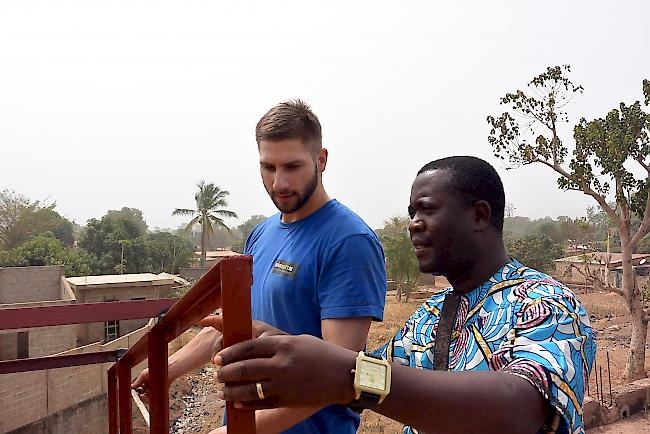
{"x": 245, "y": 230}
{"x": 210, "y": 209}
{"x": 167, "y": 252}
{"x": 22, "y": 219}
{"x": 45, "y": 249}
{"x": 536, "y": 251}
{"x": 600, "y": 166}
{"x": 133, "y": 215}
{"x": 401, "y": 263}
{"x": 117, "y": 243}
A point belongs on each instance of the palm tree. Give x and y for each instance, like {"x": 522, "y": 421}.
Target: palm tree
{"x": 210, "y": 203}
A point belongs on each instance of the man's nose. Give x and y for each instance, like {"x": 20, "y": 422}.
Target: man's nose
{"x": 280, "y": 182}
{"x": 416, "y": 224}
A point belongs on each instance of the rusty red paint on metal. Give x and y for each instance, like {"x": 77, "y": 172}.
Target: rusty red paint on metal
{"x": 51, "y": 362}
{"x": 112, "y": 401}
{"x": 237, "y": 327}
{"x": 158, "y": 374}
{"x": 124, "y": 398}
{"x": 47, "y": 316}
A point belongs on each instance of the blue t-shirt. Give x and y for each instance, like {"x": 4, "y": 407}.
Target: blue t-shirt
{"x": 328, "y": 265}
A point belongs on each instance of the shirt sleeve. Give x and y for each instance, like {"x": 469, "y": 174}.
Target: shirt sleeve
{"x": 551, "y": 346}
{"x": 352, "y": 281}
{"x": 400, "y": 349}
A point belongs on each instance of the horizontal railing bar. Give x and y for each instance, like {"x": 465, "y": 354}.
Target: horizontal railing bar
{"x": 82, "y": 313}
{"x": 51, "y": 362}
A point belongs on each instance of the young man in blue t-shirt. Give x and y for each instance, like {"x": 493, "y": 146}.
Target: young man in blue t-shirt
{"x": 318, "y": 269}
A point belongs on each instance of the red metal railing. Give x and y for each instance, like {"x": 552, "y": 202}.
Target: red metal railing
{"x": 228, "y": 281}
{"x": 28, "y": 317}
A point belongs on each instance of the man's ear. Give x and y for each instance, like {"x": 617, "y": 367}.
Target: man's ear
{"x": 322, "y": 159}
{"x": 482, "y": 215}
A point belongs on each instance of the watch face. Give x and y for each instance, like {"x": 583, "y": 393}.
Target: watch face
{"x": 372, "y": 375}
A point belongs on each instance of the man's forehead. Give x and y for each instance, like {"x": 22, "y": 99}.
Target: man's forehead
{"x": 431, "y": 182}
{"x": 283, "y": 151}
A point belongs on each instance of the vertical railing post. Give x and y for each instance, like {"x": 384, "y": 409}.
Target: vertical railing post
{"x": 158, "y": 379}
{"x": 236, "y": 282}
{"x": 112, "y": 401}
{"x": 124, "y": 394}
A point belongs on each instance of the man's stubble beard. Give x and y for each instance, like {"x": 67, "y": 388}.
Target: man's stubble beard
{"x": 303, "y": 197}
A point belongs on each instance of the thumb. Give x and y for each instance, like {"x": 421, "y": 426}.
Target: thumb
{"x": 215, "y": 321}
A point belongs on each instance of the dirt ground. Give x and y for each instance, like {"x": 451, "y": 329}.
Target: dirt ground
{"x": 195, "y": 408}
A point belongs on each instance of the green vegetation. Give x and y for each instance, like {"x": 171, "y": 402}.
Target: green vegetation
{"x": 245, "y": 229}
{"x": 609, "y": 154}
{"x": 536, "y": 251}
{"x": 45, "y": 249}
{"x": 22, "y": 219}
{"x": 401, "y": 263}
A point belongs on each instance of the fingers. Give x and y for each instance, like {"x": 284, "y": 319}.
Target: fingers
{"x": 263, "y": 347}
{"x": 144, "y": 398}
{"x": 245, "y": 371}
{"x": 217, "y": 346}
{"x": 262, "y": 329}
{"x": 245, "y": 396}
{"x": 215, "y": 321}
{"x": 243, "y": 392}
{"x": 141, "y": 380}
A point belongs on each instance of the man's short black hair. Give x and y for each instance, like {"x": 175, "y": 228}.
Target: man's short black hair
{"x": 475, "y": 180}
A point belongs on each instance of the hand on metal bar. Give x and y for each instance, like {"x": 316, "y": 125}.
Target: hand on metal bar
{"x": 201, "y": 349}
{"x": 291, "y": 371}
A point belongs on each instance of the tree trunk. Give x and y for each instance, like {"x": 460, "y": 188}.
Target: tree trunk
{"x": 634, "y": 368}
{"x": 203, "y": 246}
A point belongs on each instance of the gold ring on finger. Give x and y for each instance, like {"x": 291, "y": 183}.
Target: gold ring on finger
{"x": 260, "y": 392}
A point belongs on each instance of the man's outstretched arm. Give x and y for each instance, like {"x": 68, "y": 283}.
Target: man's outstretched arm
{"x": 298, "y": 371}
{"x": 192, "y": 356}
{"x": 350, "y": 333}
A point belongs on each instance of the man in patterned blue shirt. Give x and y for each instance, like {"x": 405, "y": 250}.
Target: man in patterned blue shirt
{"x": 506, "y": 349}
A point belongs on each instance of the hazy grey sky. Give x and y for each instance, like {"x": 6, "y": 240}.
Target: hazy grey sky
{"x": 131, "y": 103}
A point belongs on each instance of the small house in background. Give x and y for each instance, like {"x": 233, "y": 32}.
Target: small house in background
{"x": 118, "y": 287}
{"x": 211, "y": 258}
{"x": 641, "y": 275}
{"x": 573, "y": 270}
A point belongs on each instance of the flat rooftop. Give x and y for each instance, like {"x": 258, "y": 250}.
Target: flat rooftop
{"x": 140, "y": 279}
{"x": 601, "y": 257}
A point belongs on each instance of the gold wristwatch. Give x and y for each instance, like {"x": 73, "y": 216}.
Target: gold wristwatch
{"x": 371, "y": 381}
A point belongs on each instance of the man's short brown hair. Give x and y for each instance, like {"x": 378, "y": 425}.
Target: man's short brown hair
{"x": 290, "y": 120}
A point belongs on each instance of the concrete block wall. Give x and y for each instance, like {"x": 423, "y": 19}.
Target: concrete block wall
{"x": 45, "y": 341}
{"x": 53, "y": 398}
{"x": 88, "y": 416}
{"x": 8, "y": 345}
{"x": 23, "y": 399}
{"x": 25, "y": 284}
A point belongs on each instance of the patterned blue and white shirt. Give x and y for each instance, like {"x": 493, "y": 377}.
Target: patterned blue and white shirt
{"x": 520, "y": 321}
